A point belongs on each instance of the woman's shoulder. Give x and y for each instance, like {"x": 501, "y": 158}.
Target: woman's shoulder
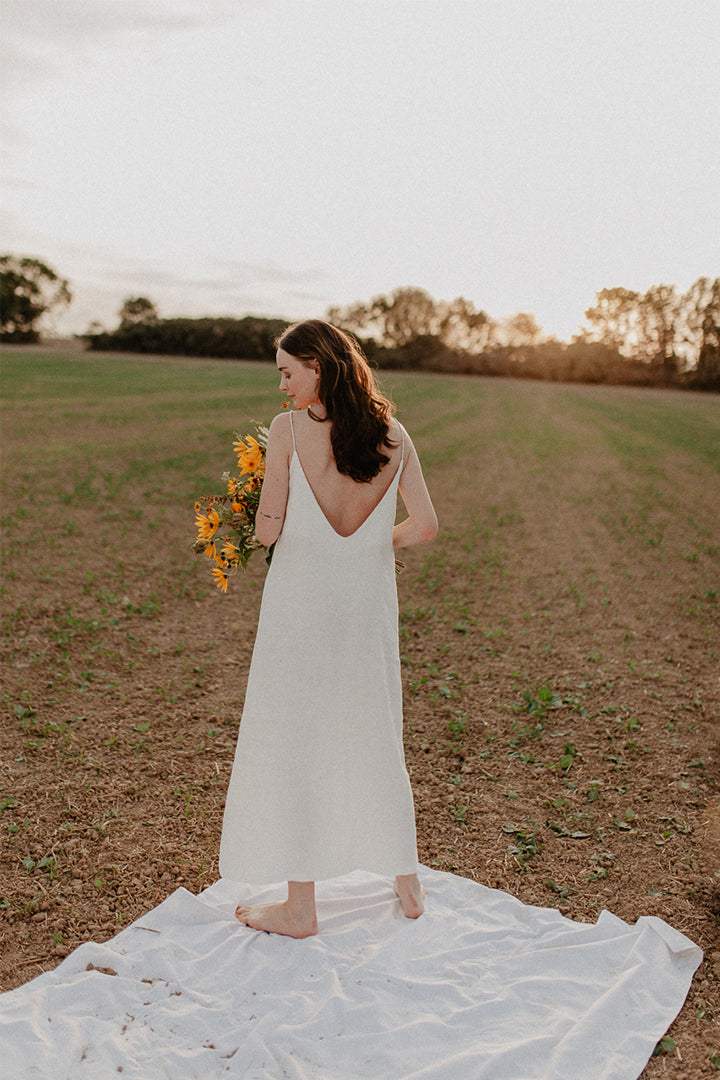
{"x": 280, "y": 424}
{"x": 281, "y": 418}
{"x": 398, "y": 433}
{"x": 280, "y": 432}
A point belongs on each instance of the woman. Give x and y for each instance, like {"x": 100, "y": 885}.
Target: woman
{"x": 319, "y": 785}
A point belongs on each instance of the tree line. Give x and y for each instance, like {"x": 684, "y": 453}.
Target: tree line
{"x": 142, "y": 330}
{"x": 661, "y": 337}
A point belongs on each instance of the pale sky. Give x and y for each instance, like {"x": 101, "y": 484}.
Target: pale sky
{"x": 274, "y": 157}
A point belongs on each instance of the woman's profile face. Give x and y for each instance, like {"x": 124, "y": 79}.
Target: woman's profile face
{"x": 298, "y": 380}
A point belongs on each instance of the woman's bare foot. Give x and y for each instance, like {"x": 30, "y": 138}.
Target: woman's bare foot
{"x": 277, "y": 919}
{"x": 295, "y": 917}
{"x": 411, "y": 895}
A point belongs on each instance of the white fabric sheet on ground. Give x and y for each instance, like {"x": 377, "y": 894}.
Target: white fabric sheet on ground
{"x": 482, "y": 987}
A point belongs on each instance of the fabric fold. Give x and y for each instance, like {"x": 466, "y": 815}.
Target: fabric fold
{"x": 481, "y": 986}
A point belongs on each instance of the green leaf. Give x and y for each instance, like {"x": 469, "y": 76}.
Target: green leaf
{"x": 563, "y": 891}
{"x": 665, "y": 1046}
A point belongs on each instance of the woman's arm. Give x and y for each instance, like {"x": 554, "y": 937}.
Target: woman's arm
{"x": 422, "y": 524}
{"x": 274, "y": 494}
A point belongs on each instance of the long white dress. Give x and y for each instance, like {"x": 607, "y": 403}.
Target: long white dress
{"x": 319, "y": 785}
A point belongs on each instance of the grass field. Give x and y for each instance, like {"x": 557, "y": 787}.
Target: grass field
{"x": 559, "y": 643}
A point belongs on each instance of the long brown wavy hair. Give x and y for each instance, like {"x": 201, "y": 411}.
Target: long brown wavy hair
{"x": 359, "y": 411}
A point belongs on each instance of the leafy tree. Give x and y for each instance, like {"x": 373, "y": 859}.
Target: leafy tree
{"x": 613, "y": 319}
{"x": 701, "y": 312}
{"x": 28, "y": 289}
{"x": 658, "y": 314}
{"x": 394, "y": 320}
{"x": 355, "y": 318}
{"x": 463, "y": 326}
{"x": 662, "y": 330}
{"x": 406, "y": 314}
{"x": 138, "y": 310}
{"x": 522, "y": 329}
{"x": 409, "y": 315}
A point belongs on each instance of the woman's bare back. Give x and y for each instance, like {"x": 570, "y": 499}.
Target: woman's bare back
{"x": 345, "y": 502}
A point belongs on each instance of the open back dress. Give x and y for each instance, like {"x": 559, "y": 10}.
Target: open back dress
{"x": 319, "y": 785}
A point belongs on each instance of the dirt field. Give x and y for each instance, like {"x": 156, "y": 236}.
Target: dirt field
{"x": 559, "y": 641}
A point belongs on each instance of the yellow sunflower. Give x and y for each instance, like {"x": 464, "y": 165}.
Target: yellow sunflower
{"x": 207, "y": 526}
{"x": 250, "y": 455}
{"x": 233, "y": 513}
{"x": 230, "y": 553}
{"x": 221, "y": 579}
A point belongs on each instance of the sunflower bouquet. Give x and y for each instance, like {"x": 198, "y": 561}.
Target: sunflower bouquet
{"x": 226, "y": 523}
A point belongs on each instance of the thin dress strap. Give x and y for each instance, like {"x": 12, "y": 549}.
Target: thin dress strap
{"x": 402, "y": 447}
{"x": 292, "y": 430}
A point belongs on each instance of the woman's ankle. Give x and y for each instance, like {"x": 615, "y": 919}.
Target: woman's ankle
{"x": 301, "y": 898}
